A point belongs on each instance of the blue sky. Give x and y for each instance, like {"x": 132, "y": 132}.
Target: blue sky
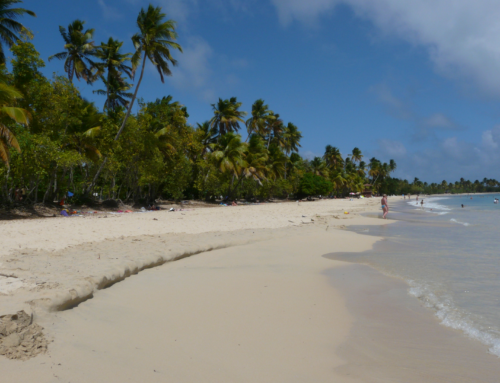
{"x": 417, "y": 81}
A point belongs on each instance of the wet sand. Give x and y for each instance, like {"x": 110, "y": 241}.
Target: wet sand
{"x": 394, "y": 338}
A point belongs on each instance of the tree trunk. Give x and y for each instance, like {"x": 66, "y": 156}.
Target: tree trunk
{"x": 48, "y": 193}
{"x": 6, "y": 188}
{"x": 36, "y": 188}
{"x": 113, "y": 184}
{"x": 129, "y": 110}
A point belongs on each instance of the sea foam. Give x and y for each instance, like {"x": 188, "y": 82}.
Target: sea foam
{"x": 452, "y": 316}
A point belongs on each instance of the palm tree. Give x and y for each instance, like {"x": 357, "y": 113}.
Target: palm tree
{"x": 275, "y": 130}
{"x": 206, "y": 136}
{"x": 256, "y": 157}
{"x": 228, "y": 155}
{"x": 153, "y": 42}
{"x": 333, "y": 157}
{"x": 362, "y": 168}
{"x": 115, "y": 92}
{"x": 339, "y": 179}
{"x": 276, "y": 162}
{"x": 80, "y": 136}
{"x": 375, "y": 169}
{"x": 9, "y": 27}
{"x": 79, "y": 49}
{"x": 227, "y": 117}
{"x": 259, "y": 120}
{"x": 114, "y": 62}
{"x": 291, "y": 138}
{"x": 392, "y": 165}
{"x": 356, "y": 155}
{"x": 8, "y": 97}
{"x": 318, "y": 167}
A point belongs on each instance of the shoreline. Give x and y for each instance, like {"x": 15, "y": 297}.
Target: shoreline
{"x": 395, "y": 338}
{"x": 225, "y": 295}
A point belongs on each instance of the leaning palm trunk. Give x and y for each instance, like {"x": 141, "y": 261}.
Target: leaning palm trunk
{"x": 129, "y": 110}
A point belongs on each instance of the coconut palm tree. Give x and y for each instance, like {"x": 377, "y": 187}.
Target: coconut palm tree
{"x": 115, "y": 92}
{"x": 206, "y": 136}
{"x": 80, "y": 136}
{"x": 362, "y": 168}
{"x": 392, "y": 165}
{"x": 356, "y": 155}
{"x": 154, "y": 40}
{"x": 319, "y": 167}
{"x": 256, "y": 157}
{"x": 9, "y": 26}
{"x": 78, "y": 52}
{"x": 115, "y": 63}
{"x": 333, "y": 157}
{"x": 375, "y": 168}
{"x": 276, "y": 162}
{"x": 291, "y": 138}
{"x": 260, "y": 118}
{"x": 275, "y": 130}
{"x": 8, "y": 97}
{"x": 229, "y": 154}
{"x": 227, "y": 117}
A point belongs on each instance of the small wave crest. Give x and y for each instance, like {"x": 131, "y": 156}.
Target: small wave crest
{"x": 460, "y": 223}
{"x": 430, "y": 203}
{"x": 452, "y": 316}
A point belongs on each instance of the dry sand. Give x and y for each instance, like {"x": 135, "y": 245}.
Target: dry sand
{"x": 55, "y": 263}
{"x": 259, "y": 307}
{"x": 260, "y": 312}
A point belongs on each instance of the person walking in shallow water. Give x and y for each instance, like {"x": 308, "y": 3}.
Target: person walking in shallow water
{"x": 385, "y": 206}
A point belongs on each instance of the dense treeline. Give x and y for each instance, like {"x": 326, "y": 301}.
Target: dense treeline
{"x": 396, "y": 186}
{"x": 54, "y": 141}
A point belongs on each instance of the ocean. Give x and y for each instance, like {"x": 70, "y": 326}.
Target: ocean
{"x": 449, "y": 256}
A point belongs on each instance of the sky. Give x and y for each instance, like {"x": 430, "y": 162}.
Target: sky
{"x": 414, "y": 81}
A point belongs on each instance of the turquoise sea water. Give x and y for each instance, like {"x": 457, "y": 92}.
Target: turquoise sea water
{"x": 450, "y": 257}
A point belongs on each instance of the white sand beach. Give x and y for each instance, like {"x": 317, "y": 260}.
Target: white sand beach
{"x": 260, "y": 306}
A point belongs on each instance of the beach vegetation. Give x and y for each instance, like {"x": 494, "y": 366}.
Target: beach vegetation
{"x": 54, "y": 143}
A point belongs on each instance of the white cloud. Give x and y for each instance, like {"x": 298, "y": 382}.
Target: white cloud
{"x": 202, "y": 72}
{"x": 439, "y": 120}
{"x": 194, "y": 71}
{"x": 392, "y": 149}
{"x": 107, "y": 11}
{"x": 178, "y": 10}
{"x": 462, "y": 36}
{"x": 450, "y": 160}
{"x": 491, "y": 138}
{"x": 395, "y": 106}
{"x": 304, "y": 11}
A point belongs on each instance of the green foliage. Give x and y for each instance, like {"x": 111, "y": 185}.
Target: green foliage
{"x": 53, "y": 141}
{"x": 312, "y": 184}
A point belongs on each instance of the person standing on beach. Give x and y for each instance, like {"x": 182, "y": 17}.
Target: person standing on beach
{"x": 385, "y": 206}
